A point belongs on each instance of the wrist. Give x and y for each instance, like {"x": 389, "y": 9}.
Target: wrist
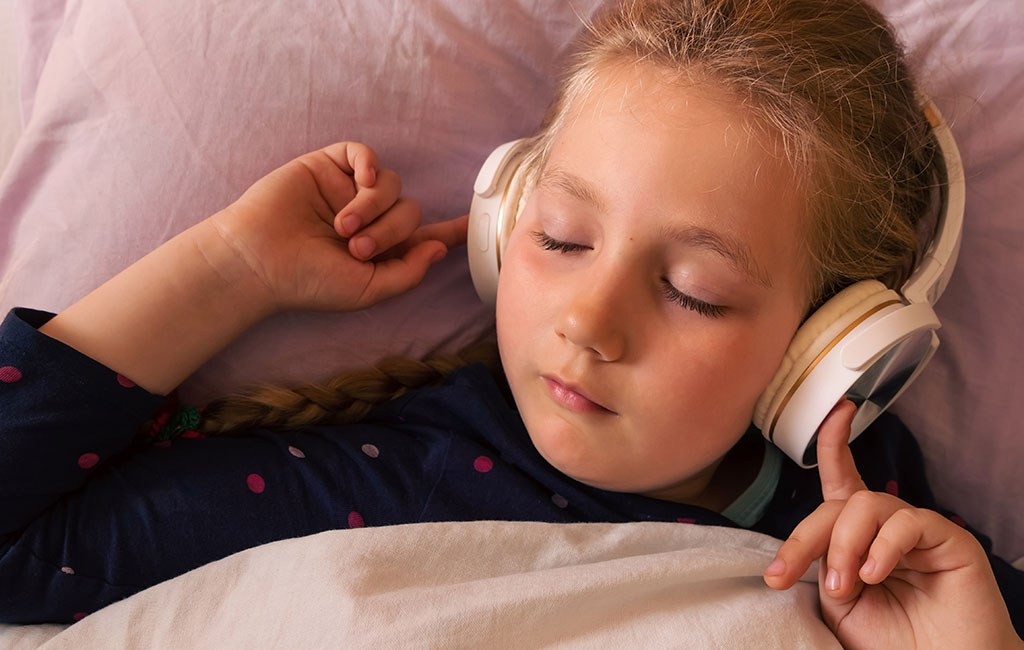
{"x": 231, "y": 280}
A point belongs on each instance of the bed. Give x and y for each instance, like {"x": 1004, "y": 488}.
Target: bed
{"x": 123, "y": 123}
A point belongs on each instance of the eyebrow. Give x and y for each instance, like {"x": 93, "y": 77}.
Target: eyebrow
{"x": 729, "y": 248}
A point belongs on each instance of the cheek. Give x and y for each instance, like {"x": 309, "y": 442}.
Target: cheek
{"x": 518, "y": 308}
{"x": 728, "y": 365}
{"x": 522, "y": 289}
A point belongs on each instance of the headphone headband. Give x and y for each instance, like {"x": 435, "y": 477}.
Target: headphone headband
{"x": 932, "y": 274}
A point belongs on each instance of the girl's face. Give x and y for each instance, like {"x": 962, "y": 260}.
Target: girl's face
{"x": 650, "y": 287}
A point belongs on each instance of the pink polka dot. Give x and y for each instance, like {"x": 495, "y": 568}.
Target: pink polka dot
{"x": 86, "y": 461}
{"x": 559, "y": 500}
{"x": 80, "y": 615}
{"x": 371, "y": 451}
{"x": 355, "y": 520}
{"x": 295, "y": 451}
{"x": 10, "y": 374}
{"x": 956, "y": 519}
{"x": 892, "y": 488}
{"x": 483, "y": 464}
{"x": 124, "y": 381}
{"x": 68, "y": 570}
{"x": 255, "y": 483}
{"x": 686, "y": 520}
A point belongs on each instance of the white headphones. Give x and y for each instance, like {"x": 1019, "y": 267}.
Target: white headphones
{"x": 867, "y": 343}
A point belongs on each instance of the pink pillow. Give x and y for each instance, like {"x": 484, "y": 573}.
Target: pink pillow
{"x": 35, "y": 23}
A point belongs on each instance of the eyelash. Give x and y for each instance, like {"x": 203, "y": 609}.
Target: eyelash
{"x": 550, "y": 244}
{"x": 670, "y": 292}
{"x": 689, "y": 302}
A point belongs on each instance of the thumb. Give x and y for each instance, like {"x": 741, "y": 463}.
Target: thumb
{"x": 836, "y": 467}
{"x": 399, "y": 274}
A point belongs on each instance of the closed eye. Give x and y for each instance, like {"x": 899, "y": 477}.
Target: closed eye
{"x": 549, "y": 243}
{"x": 689, "y": 302}
{"x": 684, "y": 300}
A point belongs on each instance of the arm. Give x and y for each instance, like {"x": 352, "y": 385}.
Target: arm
{"x": 280, "y": 246}
{"x": 164, "y": 316}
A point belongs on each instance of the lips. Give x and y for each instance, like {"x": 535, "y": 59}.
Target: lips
{"x": 571, "y": 396}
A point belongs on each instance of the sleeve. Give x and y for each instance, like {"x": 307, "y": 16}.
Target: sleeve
{"x": 62, "y": 416}
{"x": 91, "y": 514}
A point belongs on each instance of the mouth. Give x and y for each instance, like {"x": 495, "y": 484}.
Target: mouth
{"x": 572, "y": 397}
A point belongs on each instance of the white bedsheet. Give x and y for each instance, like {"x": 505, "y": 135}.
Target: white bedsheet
{"x": 468, "y": 585}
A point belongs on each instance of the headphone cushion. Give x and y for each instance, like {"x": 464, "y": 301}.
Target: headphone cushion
{"x": 814, "y": 335}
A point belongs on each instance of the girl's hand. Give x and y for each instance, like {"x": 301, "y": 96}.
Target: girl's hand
{"x": 891, "y": 576}
{"x": 328, "y": 232}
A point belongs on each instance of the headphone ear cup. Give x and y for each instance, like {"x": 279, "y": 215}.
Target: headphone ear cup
{"x": 497, "y": 195}
{"x": 822, "y": 331}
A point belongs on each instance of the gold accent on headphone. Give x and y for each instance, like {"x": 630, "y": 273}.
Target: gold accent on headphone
{"x": 835, "y": 341}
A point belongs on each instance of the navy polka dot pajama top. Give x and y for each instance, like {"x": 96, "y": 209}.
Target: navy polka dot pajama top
{"x": 92, "y": 511}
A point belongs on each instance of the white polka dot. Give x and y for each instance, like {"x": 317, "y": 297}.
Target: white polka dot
{"x": 371, "y": 451}
{"x": 295, "y": 451}
{"x": 559, "y": 500}
{"x": 68, "y": 570}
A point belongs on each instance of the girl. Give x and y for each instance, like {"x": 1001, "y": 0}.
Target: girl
{"x": 711, "y": 171}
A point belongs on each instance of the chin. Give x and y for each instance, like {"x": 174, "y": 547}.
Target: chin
{"x": 569, "y": 459}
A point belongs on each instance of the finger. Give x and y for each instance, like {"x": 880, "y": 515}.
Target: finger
{"x": 836, "y": 467}
{"x": 333, "y": 175}
{"x": 451, "y": 233}
{"x": 394, "y": 227}
{"x": 368, "y": 204}
{"x": 948, "y": 546}
{"x": 356, "y": 160}
{"x": 808, "y": 542}
{"x": 855, "y": 529}
{"x": 395, "y": 276}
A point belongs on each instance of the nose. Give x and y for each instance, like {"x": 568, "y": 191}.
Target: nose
{"x": 595, "y": 317}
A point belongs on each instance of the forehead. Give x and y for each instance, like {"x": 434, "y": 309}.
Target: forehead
{"x": 681, "y": 156}
{"x": 678, "y": 116}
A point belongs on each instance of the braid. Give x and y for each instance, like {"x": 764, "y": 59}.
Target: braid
{"x": 347, "y": 397}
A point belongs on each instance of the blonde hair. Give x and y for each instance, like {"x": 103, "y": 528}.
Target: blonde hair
{"x": 347, "y": 397}
{"x": 828, "y": 77}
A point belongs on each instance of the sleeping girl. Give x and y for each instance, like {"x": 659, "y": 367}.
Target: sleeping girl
{"x": 710, "y": 173}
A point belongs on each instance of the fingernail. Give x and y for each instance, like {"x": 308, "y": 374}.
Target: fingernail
{"x": 364, "y": 246}
{"x": 373, "y": 175}
{"x": 438, "y": 256}
{"x": 776, "y": 568}
{"x": 832, "y": 580}
{"x": 868, "y": 568}
{"x": 350, "y": 223}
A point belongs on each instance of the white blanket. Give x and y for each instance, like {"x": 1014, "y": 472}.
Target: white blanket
{"x": 468, "y": 585}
